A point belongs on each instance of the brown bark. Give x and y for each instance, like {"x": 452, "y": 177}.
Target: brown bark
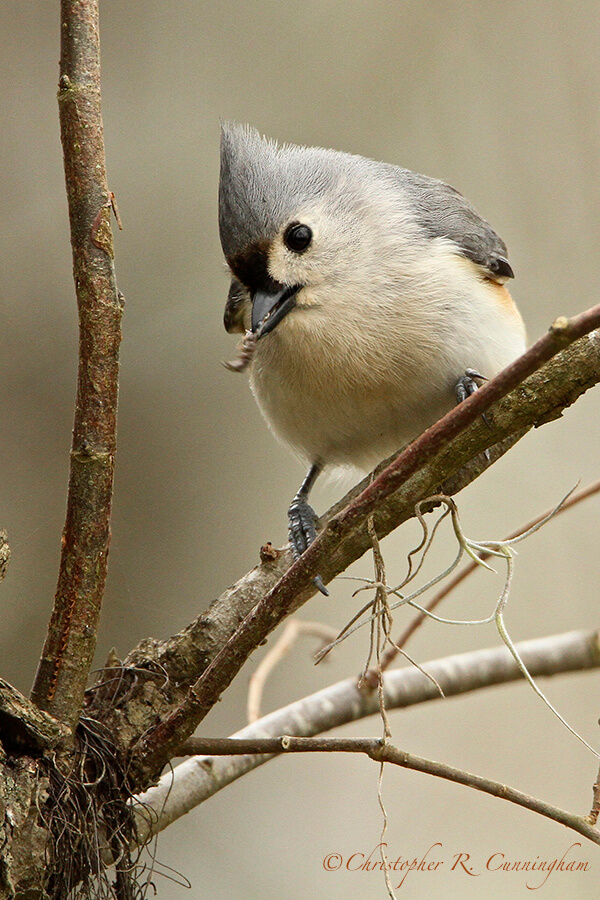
{"x": 71, "y": 640}
{"x": 38, "y": 740}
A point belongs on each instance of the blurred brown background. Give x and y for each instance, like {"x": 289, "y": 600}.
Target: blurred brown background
{"x": 499, "y": 99}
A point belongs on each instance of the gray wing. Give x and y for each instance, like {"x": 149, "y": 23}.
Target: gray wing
{"x": 444, "y": 212}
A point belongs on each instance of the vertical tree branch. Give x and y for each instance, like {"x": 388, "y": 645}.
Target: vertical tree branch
{"x": 71, "y": 639}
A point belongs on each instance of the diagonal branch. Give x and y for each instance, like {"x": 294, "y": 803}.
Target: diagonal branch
{"x": 414, "y": 474}
{"x": 71, "y": 639}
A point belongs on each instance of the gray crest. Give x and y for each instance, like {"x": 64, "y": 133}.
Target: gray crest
{"x": 263, "y": 184}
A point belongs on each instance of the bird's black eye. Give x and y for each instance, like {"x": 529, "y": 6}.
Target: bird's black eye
{"x": 298, "y": 237}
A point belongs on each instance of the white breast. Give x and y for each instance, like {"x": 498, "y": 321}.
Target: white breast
{"x": 349, "y": 380}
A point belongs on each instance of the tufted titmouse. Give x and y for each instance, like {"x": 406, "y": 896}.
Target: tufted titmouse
{"x": 372, "y": 299}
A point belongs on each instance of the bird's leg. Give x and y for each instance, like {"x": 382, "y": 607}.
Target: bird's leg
{"x": 301, "y": 516}
{"x": 467, "y": 385}
{"x": 302, "y": 519}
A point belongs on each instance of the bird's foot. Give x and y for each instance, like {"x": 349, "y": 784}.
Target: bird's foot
{"x": 466, "y": 385}
{"x": 302, "y": 532}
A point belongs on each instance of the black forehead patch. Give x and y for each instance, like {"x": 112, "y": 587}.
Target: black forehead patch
{"x": 250, "y": 266}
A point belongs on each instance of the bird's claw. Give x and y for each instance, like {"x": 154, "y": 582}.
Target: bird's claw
{"x": 302, "y": 532}
{"x": 467, "y": 385}
{"x": 318, "y": 583}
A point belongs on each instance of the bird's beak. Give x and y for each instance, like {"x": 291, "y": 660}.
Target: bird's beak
{"x": 270, "y": 307}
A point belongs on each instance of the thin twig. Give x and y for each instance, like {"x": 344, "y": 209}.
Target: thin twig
{"x": 384, "y": 827}
{"x": 382, "y": 626}
{"x": 392, "y": 652}
{"x": 195, "y": 780}
{"x": 382, "y": 751}
{"x": 292, "y": 631}
{"x": 71, "y": 639}
{"x": 595, "y": 810}
{"x": 159, "y": 743}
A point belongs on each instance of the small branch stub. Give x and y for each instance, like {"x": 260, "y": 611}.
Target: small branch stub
{"x": 4, "y": 553}
{"x": 25, "y": 727}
